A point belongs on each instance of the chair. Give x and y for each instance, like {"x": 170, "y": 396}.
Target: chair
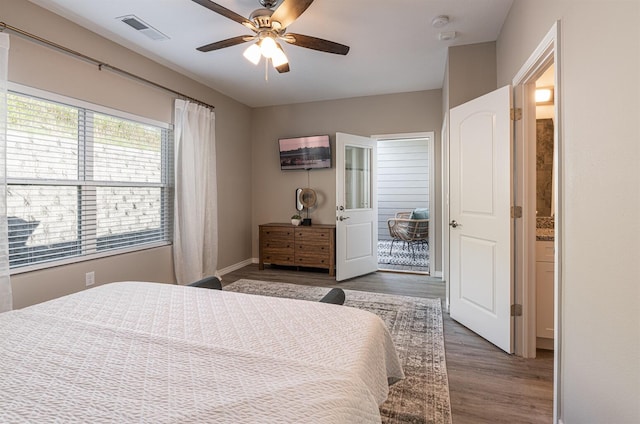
{"x": 406, "y": 228}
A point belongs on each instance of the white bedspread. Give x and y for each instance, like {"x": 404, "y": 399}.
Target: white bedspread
{"x": 148, "y": 352}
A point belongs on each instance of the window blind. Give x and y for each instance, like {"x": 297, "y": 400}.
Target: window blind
{"x": 83, "y": 182}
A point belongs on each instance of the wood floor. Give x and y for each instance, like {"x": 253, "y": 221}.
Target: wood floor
{"x": 486, "y": 385}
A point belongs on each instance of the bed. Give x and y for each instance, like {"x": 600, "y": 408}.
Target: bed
{"x": 150, "y": 352}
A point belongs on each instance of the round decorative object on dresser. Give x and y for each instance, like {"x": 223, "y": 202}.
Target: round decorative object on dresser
{"x": 308, "y": 198}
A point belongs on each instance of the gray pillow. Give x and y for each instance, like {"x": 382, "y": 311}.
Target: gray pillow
{"x": 420, "y": 213}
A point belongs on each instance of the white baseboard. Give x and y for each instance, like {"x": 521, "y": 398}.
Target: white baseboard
{"x": 236, "y": 267}
{"x": 544, "y": 343}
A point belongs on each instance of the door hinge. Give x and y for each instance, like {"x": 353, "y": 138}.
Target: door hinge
{"x": 516, "y": 211}
{"x": 516, "y": 310}
{"x": 516, "y": 113}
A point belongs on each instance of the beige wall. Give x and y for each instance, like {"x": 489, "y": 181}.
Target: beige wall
{"x": 471, "y": 72}
{"x": 600, "y": 183}
{"x": 37, "y": 66}
{"x": 273, "y": 189}
{"x": 39, "y": 286}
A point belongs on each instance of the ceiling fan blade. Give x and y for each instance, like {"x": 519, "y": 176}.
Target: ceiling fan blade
{"x": 215, "y": 7}
{"x": 283, "y": 68}
{"x": 289, "y": 11}
{"x": 316, "y": 43}
{"x": 224, "y": 43}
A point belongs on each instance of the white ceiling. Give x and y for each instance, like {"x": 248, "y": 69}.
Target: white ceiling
{"x": 394, "y": 47}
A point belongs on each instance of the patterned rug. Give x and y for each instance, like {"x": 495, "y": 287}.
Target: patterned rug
{"x": 415, "y": 325}
{"x": 403, "y": 254}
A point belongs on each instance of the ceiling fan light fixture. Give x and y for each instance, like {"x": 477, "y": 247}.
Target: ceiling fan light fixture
{"x": 268, "y": 47}
{"x": 279, "y": 58}
{"x": 253, "y": 54}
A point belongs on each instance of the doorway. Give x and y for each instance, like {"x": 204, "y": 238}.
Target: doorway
{"x": 405, "y": 175}
{"x": 521, "y": 290}
{"x": 543, "y": 164}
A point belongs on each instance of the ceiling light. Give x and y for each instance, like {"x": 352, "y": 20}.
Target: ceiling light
{"x": 268, "y": 47}
{"x": 279, "y": 58}
{"x": 253, "y": 54}
{"x": 544, "y": 95}
{"x": 440, "y": 21}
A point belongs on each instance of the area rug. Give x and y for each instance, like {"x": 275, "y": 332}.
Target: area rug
{"x": 415, "y": 325}
{"x": 403, "y": 254}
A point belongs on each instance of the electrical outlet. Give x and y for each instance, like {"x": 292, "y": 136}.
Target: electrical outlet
{"x": 90, "y": 278}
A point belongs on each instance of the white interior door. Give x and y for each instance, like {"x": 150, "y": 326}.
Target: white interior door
{"x": 480, "y": 216}
{"x": 356, "y": 206}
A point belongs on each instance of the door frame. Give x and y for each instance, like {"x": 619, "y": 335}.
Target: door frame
{"x": 433, "y": 211}
{"x": 547, "y": 52}
{"x": 444, "y": 200}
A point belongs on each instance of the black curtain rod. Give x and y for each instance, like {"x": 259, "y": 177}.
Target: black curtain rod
{"x": 101, "y": 65}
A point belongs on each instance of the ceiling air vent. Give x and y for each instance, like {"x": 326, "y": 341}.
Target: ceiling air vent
{"x": 141, "y": 26}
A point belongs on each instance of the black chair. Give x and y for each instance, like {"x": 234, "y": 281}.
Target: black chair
{"x": 335, "y": 296}
{"x": 208, "y": 283}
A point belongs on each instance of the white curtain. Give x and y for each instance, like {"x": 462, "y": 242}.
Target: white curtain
{"x": 195, "y": 231}
{"x": 6, "y": 299}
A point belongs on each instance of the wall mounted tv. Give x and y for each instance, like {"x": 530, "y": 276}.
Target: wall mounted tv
{"x": 312, "y": 152}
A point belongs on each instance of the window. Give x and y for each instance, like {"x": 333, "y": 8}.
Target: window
{"x": 83, "y": 181}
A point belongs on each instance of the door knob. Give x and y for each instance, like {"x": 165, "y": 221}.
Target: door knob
{"x": 342, "y": 218}
{"x": 454, "y": 224}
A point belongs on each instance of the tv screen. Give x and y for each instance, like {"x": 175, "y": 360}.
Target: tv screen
{"x": 305, "y": 152}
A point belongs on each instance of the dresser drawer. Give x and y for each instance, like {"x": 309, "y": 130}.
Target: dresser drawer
{"x": 313, "y": 236}
{"x": 276, "y": 233}
{"x": 277, "y": 244}
{"x": 312, "y": 249}
{"x": 312, "y": 260}
{"x": 279, "y": 258}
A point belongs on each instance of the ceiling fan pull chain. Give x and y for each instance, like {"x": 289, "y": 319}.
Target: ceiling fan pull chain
{"x": 266, "y": 69}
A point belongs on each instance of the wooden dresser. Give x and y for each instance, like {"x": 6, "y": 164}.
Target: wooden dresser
{"x": 286, "y": 244}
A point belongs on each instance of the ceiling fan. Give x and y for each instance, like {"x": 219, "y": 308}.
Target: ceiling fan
{"x": 269, "y": 26}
